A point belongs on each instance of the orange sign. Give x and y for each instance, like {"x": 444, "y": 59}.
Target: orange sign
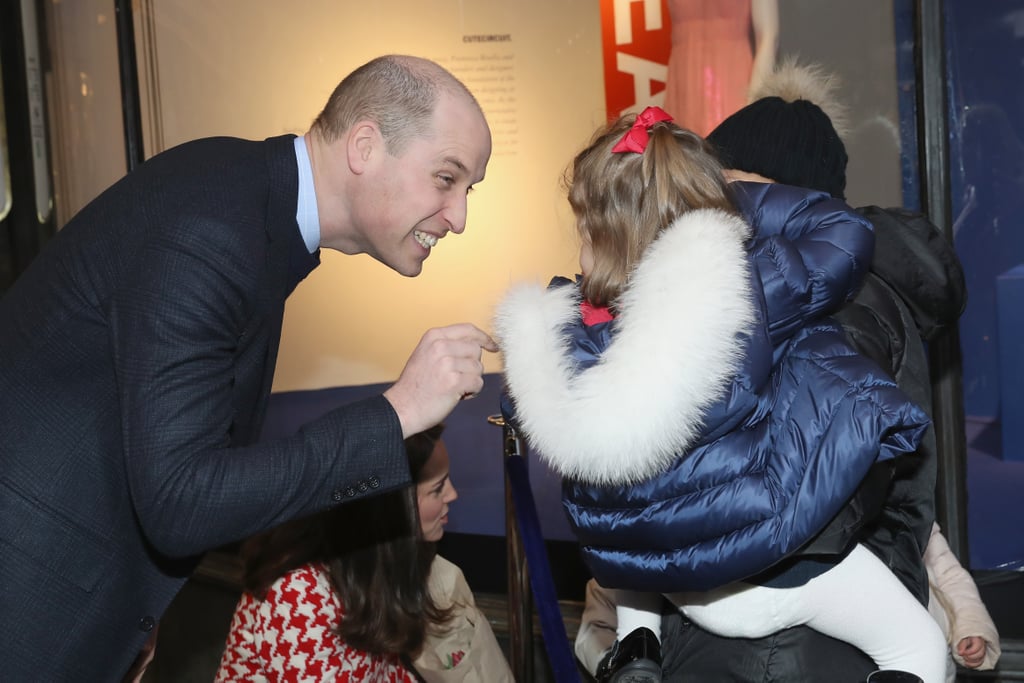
{"x": 636, "y": 39}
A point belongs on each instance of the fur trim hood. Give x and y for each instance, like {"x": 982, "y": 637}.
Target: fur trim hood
{"x": 678, "y": 343}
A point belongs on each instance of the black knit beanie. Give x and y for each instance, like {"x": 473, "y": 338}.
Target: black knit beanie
{"x": 789, "y": 142}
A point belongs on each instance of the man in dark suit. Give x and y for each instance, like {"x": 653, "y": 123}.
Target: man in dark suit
{"x": 139, "y": 348}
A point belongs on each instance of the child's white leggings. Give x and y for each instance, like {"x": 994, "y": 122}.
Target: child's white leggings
{"x": 859, "y": 601}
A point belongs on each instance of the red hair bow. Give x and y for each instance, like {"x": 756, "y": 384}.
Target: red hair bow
{"x": 635, "y": 139}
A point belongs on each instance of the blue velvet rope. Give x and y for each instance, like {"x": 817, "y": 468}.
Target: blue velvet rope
{"x": 556, "y": 640}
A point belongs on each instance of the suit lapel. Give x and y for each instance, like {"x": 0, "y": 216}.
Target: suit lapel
{"x": 287, "y": 263}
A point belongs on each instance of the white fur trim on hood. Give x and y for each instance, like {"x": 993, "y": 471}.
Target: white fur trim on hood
{"x": 675, "y": 349}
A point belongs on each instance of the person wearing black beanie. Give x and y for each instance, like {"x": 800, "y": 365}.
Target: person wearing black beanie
{"x": 786, "y": 134}
{"x": 792, "y": 133}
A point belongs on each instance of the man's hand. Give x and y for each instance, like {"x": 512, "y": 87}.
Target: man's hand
{"x": 443, "y": 368}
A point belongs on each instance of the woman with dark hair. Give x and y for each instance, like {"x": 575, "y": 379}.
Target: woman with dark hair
{"x": 345, "y": 595}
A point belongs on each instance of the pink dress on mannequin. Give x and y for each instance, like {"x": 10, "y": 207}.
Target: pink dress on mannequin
{"x": 711, "y": 61}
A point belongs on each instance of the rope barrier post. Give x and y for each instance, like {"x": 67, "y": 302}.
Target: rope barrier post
{"x": 520, "y": 599}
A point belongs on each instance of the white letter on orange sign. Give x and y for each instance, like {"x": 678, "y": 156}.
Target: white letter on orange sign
{"x": 623, "y": 26}
{"x": 644, "y": 72}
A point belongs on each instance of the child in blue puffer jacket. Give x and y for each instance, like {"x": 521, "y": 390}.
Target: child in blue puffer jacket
{"x": 707, "y": 418}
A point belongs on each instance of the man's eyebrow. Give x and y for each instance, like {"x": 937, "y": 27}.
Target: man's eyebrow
{"x": 454, "y": 161}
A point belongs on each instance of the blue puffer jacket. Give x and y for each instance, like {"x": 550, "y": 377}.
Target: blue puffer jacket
{"x": 720, "y": 420}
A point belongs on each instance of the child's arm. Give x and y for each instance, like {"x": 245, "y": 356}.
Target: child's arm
{"x": 969, "y": 619}
{"x": 598, "y": 623}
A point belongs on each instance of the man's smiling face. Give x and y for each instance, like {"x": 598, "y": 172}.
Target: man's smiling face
{"x": 419, "y": 195}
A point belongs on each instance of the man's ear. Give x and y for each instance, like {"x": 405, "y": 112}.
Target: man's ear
{"x": 364, "y": 140}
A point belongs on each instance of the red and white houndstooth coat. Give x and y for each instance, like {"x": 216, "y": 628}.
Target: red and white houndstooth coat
{"x": 287, "y": 638}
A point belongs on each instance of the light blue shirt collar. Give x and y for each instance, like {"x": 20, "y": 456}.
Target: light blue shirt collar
{"x": 306, "y": 214}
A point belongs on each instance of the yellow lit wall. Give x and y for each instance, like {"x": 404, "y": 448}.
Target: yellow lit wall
{"x": 260, "y": 68}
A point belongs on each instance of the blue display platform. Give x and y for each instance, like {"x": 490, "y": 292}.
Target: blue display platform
{"x": 1010, "y": 333}
{"x": 995, "y": 480}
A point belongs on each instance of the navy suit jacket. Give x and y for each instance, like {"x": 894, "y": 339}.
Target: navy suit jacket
{"x": 137, "y": 357}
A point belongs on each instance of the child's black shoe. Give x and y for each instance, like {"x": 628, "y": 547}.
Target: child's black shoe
{"x": 634, "y": 659}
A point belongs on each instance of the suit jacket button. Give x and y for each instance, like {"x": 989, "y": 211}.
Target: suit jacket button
{"x": 337, "y": 496}
{"x": 350, "y": 492}
{"x": 147, "y": 624}
{"x": 363, "y": 487}
{"x": 374, "y": 483}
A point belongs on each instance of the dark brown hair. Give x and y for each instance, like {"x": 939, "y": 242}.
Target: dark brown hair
{"x": 377, "y": 559}
{"x": 622, "y": 201}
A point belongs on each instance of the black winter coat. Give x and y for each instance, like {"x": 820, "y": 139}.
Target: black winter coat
{"x": 915, "y": 289}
